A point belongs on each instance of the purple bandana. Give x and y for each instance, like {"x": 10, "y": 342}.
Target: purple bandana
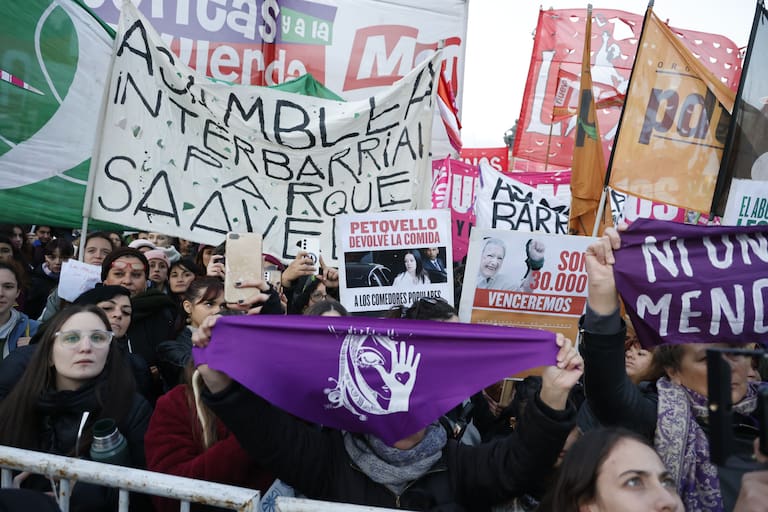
{"x": 694, "y": 284}
{"x": 385, "y": 377}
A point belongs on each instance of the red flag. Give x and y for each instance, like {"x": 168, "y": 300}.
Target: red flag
{"x": 446, "y": 102}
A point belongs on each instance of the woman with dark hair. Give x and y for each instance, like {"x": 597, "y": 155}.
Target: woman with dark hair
{"x": 204, "y": 296}
{"x": 18, "y": 236}
{"x": 185, "y": 438}
{"x": 327, "y": 307}
{"x": 203, "y": 255}
{"x": 45, "y": 277}
{"x": 9, "y": 253}
{"x": 612, "y": 470}
{"x": 306, "y": 292}
{"x": 76, "y": 375}
{"x": 97, "y": 247}
{"x": 14, "y": 325}
{"x": 414, "y": 274}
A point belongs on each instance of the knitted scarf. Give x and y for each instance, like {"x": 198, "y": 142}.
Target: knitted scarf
{"x": 392, "y": 467}
{"x": 683, "y": 446}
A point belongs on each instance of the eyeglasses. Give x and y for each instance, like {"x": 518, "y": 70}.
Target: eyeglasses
{"x": 98, "y": 338}
{"x": 318, "y": 296}
{"x": 123, "y": 265}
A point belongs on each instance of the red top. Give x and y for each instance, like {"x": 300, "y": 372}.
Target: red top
{"x": 173, "y": 445}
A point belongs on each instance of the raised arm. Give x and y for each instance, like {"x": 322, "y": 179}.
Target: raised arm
{"x": 613, "y": 397}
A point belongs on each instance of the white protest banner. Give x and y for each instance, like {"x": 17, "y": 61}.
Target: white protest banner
{"x": 505, "y": 203}
{"x": 353, "y": 47}
{"x": 77, "y": 277}
{"x": 394, "y": 258}
{"x": 747, "y": 203}
{"x": 525, "y": 279}
{"x": 185, "y": 156}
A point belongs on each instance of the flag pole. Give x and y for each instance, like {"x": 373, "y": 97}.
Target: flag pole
{"x": 551, "y": 124}
{"x": 95, "y": 154}
{"x": 723, "y": 175}
{"x": 621, "y": 116}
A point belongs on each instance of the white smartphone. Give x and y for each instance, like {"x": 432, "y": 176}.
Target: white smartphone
{"x": 273, "y": 277}
{"x": 242, "y": 262}
{"x": 312, "y": 247}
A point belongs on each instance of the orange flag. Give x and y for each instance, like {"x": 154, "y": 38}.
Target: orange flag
{"x": 674, "y": 124}
{"x": 588, "y": 167}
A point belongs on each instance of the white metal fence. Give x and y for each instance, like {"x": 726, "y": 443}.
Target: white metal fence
{"x": 67, "y": 471}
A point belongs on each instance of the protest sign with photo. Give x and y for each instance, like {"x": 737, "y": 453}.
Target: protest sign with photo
{"x": 694, "y": 284}
{"x": 193, "y": 158}
{"x": 391, "y": 259}
{"x": 525, "y": 279}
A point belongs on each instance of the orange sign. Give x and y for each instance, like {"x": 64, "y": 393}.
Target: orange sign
{"x": 675, "y": 122}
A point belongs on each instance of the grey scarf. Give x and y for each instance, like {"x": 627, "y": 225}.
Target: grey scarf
{"x": 392, "y": 467}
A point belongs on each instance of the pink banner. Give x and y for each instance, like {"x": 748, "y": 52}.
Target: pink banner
{"x": 454, "y": 188}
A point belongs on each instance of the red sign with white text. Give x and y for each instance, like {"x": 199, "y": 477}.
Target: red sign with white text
{"x": 497, "y": 158}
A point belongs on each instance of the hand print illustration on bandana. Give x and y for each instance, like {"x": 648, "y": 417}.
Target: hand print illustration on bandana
{"x": 376, "y": 374}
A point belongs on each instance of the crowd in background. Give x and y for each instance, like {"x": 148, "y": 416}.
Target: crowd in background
{"x": 613, "y": 426}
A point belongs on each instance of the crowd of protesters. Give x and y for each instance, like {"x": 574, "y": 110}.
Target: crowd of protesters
{"x": 611, "y": 426}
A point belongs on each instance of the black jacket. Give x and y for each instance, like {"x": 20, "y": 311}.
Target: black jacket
{"x": 60, "y": 413}
{"x": 152, "y": 322}
{"x": 316, "y": 463}
{"x": 40, "y": 285}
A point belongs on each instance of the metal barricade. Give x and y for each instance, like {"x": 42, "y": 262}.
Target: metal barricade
{"x": 283, "y": 504}
{"x": 67, "y": 471}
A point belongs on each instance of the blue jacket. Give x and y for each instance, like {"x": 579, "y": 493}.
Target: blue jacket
{"x": 24, "y": 327}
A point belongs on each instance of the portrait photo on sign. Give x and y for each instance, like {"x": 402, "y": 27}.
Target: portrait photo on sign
{"x": 523, "y": 279}
{"x": 407, "y": 268}
{"x": 394, "y": 258}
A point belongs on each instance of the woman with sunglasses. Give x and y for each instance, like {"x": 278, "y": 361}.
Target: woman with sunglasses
{"x": 77, "y": 376}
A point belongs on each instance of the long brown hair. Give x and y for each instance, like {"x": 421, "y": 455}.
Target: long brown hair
{"x": 20, "y": 421}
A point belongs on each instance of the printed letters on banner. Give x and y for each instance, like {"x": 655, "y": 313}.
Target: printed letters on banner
{"x": 694, "y": 284}
{"x": 673, "y": 128}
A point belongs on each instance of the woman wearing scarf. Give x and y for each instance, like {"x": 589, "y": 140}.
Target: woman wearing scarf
{"x": 674, "y": 413}
{"x": 76, "y": 377}
{"x": 424, "y": 471}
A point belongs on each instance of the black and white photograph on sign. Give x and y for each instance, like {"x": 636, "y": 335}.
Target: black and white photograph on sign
{"x": 394, "y": 258}
{"x": 406, "y": 268}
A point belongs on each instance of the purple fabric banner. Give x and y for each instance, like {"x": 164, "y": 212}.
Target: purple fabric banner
{"x": 683, "y": 283}
{"x": 386, "y": 377}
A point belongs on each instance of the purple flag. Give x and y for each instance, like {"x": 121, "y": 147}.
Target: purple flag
{"x": 386, "y": 377}
{"x": 694, "y": 284}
